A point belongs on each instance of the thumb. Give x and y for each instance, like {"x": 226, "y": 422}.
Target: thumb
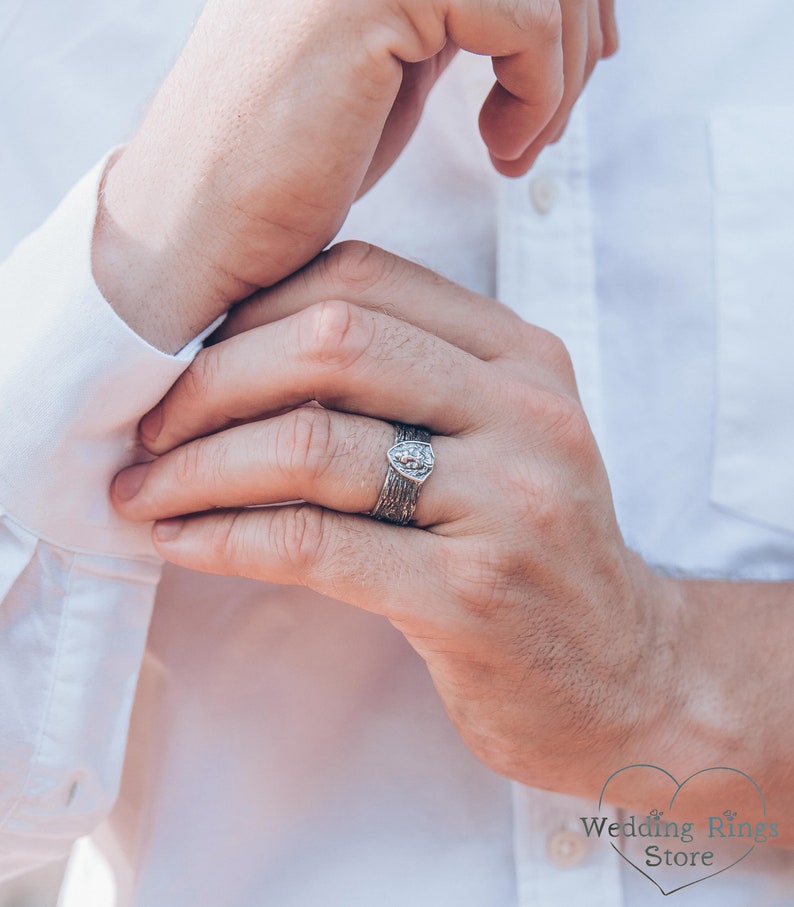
{"x": 417, "y": 81}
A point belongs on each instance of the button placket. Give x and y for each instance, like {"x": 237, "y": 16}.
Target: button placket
{"x": 543, "y": 193}
{"x": 546, "y": 267}
{"x": 555, "y": 861}
{"x": 567, "y": 848}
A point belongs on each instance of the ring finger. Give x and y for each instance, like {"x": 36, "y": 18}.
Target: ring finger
{"x": 334, "y": 460}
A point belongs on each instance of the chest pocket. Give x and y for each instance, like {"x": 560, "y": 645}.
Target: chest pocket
{"x": 753, "y": 167}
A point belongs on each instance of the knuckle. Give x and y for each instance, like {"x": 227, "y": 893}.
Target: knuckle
{"x": 201, "y": 463}
{"x": 298, "y": 538}
{"x": 609, "y": 29}
{"x": 188, "y": 465}
{"x": 335, "y": 334}
{"x": 551, "y": 350}
{"x": 547, "y": 15}
{"x": 595, "y": 47}
{"x": 201, "y": 374}
{"x": 534, "y": 502}
{"x": 610, "y": 43}
{"x": 480, "y": 580}
{"x": 546, "y": 479}
{"x": 564, "y": 422}
{"x": 517, "y": 338}
{"x": 546, "y": 468}
{"x": 306, "y": 435}
{"x": 231, "y": 541}
{"x": 355, "y": 266}
{"x": 535, "y": 16}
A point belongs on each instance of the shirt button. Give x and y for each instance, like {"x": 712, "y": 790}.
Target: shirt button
{"x": 566, "y": 848}
{"x": 543, "y": 193}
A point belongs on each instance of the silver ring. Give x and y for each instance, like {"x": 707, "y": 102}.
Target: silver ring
{"x": 411, "y": 461}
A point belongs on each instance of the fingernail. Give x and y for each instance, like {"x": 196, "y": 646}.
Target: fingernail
{"x": 152, "y": 424}
{"x": 128, "y": 483}
{"x": 168, "y": 530}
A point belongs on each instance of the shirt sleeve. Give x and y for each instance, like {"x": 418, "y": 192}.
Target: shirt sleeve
{"x": 76, "y": 582}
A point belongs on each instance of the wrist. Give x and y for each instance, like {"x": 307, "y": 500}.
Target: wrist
{"x": 653, "y": 688}
{"x": 150, "y": 259}
{"x": 641, "y": 707}
{"x": 663, "y": 693}
{"x": 684, "y": 725}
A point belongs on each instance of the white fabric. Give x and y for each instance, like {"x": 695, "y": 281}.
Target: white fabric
{"x": 284, "y": 749}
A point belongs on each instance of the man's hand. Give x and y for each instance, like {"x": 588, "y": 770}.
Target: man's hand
{"x": 278, "y": 115}
{"x": 558, "y": 654}
{"x": 513, "y": 583}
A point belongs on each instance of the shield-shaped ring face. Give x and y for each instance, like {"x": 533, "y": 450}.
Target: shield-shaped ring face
{"x": 413, "y": 460}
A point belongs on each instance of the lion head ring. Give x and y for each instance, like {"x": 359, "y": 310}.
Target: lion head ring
{"x": 410, "y": 462}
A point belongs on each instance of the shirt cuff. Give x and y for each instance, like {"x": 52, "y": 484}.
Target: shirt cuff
{"x": 74, "y": 381}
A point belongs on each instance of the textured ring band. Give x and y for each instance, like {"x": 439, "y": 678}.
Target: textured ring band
{"x": 411, "y": 461}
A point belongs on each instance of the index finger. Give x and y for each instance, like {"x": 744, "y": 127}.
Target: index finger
{"x": 376, "y": 279}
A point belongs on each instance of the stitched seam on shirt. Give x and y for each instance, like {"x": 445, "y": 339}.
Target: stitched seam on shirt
{"x": 24, "y": 790}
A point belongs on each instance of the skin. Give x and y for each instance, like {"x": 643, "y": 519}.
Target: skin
{"x": 277, "y": 116}
{"x": 559, "y": 655}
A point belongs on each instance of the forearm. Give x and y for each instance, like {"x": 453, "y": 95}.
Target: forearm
{"x": 274, "y": 120}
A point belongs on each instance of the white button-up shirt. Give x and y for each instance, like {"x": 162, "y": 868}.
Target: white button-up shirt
{"x": 263, "y": 745}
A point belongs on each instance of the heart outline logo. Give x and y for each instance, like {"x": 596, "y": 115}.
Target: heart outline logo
{"x": 678, "y": 788}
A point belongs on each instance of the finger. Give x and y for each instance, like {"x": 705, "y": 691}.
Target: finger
{"x": 375, "y": 279}
{"x": 345, "y": 357}
{"x": 378, "y": 567}
{"x": 595, "y": 39}
{"x": 579, "y": 25}
{"x": 609, "y": 27}
{"x": 330, "y": 459}
{"x": 266, "y": 372}
{"x": 417, "y": 80}
{"x": 524, "y": 40}
{"x": 522, "y": 37}
{"x": 560, "y": 132}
